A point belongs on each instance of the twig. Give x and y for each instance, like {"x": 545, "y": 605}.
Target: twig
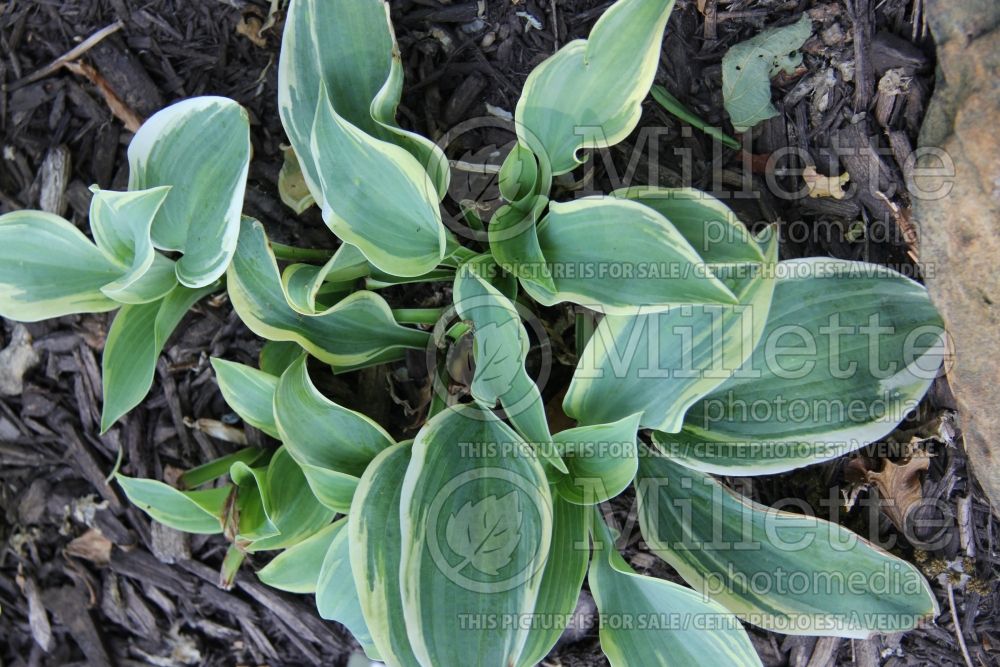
{"x": 69, "y": 56}
{"x": 958, "y": 626}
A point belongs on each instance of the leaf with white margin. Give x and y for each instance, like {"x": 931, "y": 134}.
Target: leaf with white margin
{"x": 375, "y": 545}
{"x": 602, "y": 460}
{"x": 249, "y": 392}
{"x": 589, "y": 94}
{"x": 661, "y": 363}
{"x": 466, "y": 455}
{"x": 197, "y": 511}
{"x": 747, "y": 556}
{"x": 121, "y": 223}
{"x": 297, "y": 568}
{"x": 348, "y": 46}
{"x": 561, "y": 580}
{"x": 618, "y": 256}
{"x": 48, "y": 268}
{"x": 848, "y": 350}
{"x": 358, "y": 331}
{"x": 333, "y": 445}
{"x": 500, "y": 344}
{"x": 648, "y": 621}
{"x": 336, "y": 594}
{"x": 376, "y": 196}
{"x": 200, "y": 147}
{"x": 134, "y": 343}
{"x": 288, "y": 504}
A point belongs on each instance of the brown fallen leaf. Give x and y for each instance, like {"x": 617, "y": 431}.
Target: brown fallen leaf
{"x": 92, "y": 546}
{"x": 898, "y": 485}
{"x": 250, "y": 26}
{"x": 825, "y": 186}
{"x": 122, "y": 111}
{"x": 216, "y": 429}
{"x": 15, "y": 360}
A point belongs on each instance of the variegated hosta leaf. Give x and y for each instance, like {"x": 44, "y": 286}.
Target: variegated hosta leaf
{"x": 336, "y": 594}
{"x": 339, "y": 84}
{"x": 190, "y": 511}
{"x": 501, "y": 347}
{"x": 48, "y": 268}
{"x": 847, "y": 351}
{"x": 121, "y": 223}
{"x": 376, "y": 551}
{"x": 333, "y": 445}
{"x": 303, "y": 282}
{"x": 134, "y": 343}
{"x": 249, "y": 392}
{"x": 357, "y": 331}
{"x": 513, "y": 235}
{"x": 616, "y": 255}
{"x": 790, "y": 573}
{"x": 648, "y": 621}
{"x": 277, "y": 355}
{"x": 589, "y": 94}
{"x": 602, "y": 460}
{"x": 297, "y": 568}
{"x": 476, "y": 518}
{"x": 561, "y": 580}
{"x": 200, "y": 147}
{"x": 660, "y": 363}
{"x": 289, "y": 510}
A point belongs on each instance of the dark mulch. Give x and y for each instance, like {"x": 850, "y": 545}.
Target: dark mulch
{"x": 95, "y": 582}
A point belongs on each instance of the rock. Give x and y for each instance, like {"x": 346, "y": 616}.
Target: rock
{"x": 960, "y": 231}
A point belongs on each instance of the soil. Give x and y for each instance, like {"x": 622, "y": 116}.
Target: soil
{"x": 86, "y": 579}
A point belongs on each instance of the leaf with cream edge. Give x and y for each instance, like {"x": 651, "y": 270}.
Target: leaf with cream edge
{"x": 602, "y": 460}
{"x": 198, "y": 511}
{"x": 332, "y": 444}
{"x": 561, "y": 580}
{"x": 134, "y": 343}
{"x": 297, "y": 568}
{"x": 249, "y": 392}
{"x": 501, "y": 346}
{"x": 659, "y": 364}
{"x": 376, "y": 552}
{"x": 597, "y": 84}
{"x": 121, "y": 223}
{"x": 48, "y": 268}
{"x": 336, "y": 594}
{"x": 617, "y": 256}
{"x": 466, "y": 457}
{"x": 200, "y": 147}
{"x": 745, "y": 556}
{"x": 356, "y": 332}
{"x": 648, "y": 621}
{"x": 847, "y": 351}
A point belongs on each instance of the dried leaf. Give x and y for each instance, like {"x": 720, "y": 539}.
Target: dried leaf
{"x": 218, "y": 430}
{"x": 825, "y": 186}
{"x": 15, "y": 360}
{"x": 92, "y": 546}
{"x": 251, "y": 27}
{"x": 122, "y": 111}
{"x": 898, "y": 485}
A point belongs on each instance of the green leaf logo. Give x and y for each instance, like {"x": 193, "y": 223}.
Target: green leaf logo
{"x": 486, "y": 533}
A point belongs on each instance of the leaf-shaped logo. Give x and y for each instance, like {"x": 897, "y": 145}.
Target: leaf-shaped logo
{"x": 498, "y": 360}
{"x": 485, "y": 534}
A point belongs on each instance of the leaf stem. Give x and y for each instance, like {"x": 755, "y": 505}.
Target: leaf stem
{"x": 292, "y": 253}
{"x": 418, "y": 315}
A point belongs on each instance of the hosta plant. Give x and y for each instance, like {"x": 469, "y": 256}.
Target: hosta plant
{"x": 699, "y": 354}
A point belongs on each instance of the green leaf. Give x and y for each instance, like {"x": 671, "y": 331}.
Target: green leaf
{"x": 200, "y": 147}
{"x": 589, "y": 94}
{"x": 617, "y": 255}
{"x": 189, "y": 511}
{"x": 249, "y": 392}
{"x": 647, "y": 621}
{"x": 602, "y": 460}
{"x": 297, "y": 568}
{"x": 277, "y": 355}
{"x": 336, "y": 594}
{"x": 847, "y": 351}
{"x": 660, "y": 363}
{"x": 674, "y": 106}
{"x": 134, "y": 343}
{"x": 333, "y": 445}
{"x": 121, "y": 223}
{"x": 216, "y": 468}
{"x": 786, "y": 572}
{"x": 561, "y": 580}
{"x": 375, "y": 544}
{"x": 747, "y": 69}
{"x": 357, "y": 331}
{"x": 48, "y": 268}
{"x": 468, "y": 557}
